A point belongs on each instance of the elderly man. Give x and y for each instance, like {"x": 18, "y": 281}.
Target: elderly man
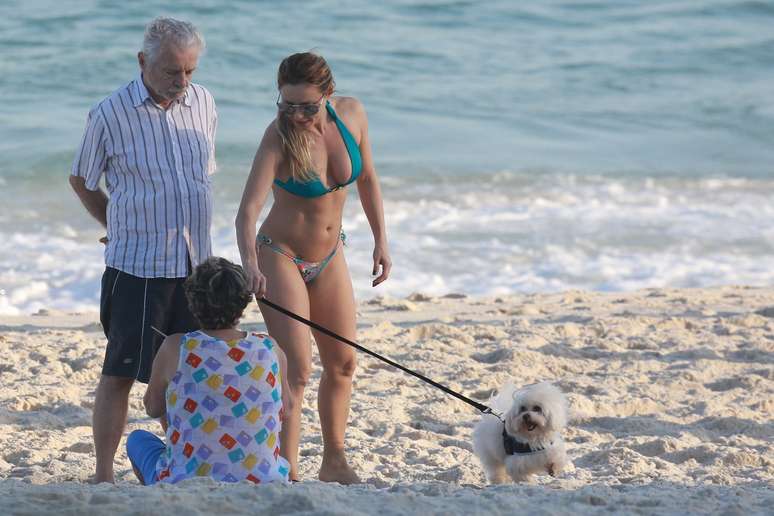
{"x": 153, "y": 140}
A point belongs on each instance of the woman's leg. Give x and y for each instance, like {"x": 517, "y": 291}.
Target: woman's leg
{"x": 286, "y": 288}
{"x": 333, "y": 307}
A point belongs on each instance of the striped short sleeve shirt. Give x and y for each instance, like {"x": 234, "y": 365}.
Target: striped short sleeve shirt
{"x": 157, "y": 165}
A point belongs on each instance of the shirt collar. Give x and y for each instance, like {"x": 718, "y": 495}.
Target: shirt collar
{"x": 140, "y": 93}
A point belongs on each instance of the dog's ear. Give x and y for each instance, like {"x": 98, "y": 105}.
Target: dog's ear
{"x": 556, "y": 412}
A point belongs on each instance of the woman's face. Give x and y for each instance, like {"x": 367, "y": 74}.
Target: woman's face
{"x": 301, "y": 103}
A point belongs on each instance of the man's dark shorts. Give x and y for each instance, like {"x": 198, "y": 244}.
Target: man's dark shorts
{"x": 129, "y": 306}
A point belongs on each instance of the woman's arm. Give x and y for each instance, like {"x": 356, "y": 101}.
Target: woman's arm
{"x": 262, "y": 174}
{"x": 371, "y": 199}
{"x": 164, "y": 368}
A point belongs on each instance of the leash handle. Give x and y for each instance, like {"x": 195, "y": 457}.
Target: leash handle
{"x": 478, "y": 406}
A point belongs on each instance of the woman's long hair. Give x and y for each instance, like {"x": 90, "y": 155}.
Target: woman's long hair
{"x": 301, "y": 68}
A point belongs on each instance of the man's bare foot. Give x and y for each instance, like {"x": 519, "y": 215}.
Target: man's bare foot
{"x": 336, "y": 469}
{"x": 104, "y": 477}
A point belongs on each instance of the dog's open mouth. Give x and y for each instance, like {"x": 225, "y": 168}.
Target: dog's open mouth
{"x": 531, "y": 426}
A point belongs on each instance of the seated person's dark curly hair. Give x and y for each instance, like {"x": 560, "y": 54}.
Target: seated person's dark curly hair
{"x": 217, "y": 293}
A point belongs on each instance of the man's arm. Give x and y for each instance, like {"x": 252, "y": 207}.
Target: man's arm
{"x": 95, "y": 201}
{"x": 90, "y": 163}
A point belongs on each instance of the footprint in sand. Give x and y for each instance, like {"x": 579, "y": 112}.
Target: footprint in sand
{"x": 724, "y": 384}
{"x": 465, "y": 445}
{"x": 493, "y": 357}
{"x": 18, "y": 457}
{"x": 657, "y": 447}
{"x": 703, "y": 454}
{"x": 766, "y": 312}
{"x": 483, "y": 394}
{"x": 82, "y": 447}
{"x": 381, "y": 430}
{"x": 77, "y": 364}
{"x": 434, "y": 426}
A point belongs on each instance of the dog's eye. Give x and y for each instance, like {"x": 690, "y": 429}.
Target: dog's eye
{"x": 522, "y": 409}
{"x": 537, "y": 408}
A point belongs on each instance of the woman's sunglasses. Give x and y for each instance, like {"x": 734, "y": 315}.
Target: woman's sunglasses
{"x": 307, "y": 110}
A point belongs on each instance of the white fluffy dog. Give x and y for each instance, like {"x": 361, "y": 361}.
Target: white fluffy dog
{"x": 530, "y": 441}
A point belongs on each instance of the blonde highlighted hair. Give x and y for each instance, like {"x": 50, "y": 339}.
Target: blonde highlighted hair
{"x": 301, "y": 68}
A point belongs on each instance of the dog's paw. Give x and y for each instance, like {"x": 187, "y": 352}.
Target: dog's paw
{"x": 555, "y": 468}
{"x": 518, "y": 471}
{"x": 500, "y": 478}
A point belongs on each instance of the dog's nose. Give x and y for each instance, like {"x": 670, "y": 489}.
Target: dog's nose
{"x": 526, "y": 417}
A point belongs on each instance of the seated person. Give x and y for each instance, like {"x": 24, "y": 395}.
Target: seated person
{"x": 220, "y": 391}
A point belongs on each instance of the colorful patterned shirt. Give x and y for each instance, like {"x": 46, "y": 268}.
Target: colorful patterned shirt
{"x": 224, "y": 406}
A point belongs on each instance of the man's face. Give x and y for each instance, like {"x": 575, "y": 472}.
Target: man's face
{"x": 170, "y": 74}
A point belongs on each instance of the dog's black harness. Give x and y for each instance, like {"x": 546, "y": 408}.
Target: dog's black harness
{"x": 514, "y": 447}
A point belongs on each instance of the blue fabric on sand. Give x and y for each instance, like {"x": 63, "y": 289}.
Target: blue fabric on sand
{"x": 144, "y": 449}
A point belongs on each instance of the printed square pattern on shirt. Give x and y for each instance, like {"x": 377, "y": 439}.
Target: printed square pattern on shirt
{"x": 225, "y": 408}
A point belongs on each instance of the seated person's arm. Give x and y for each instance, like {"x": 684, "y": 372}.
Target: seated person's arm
{"x": 287, "y": 400}
{"x": 164, "y": 368}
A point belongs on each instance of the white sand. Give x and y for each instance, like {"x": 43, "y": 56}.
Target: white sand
{"x": 672, "y": 393}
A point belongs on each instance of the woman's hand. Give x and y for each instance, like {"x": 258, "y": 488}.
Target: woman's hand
{"x": 381, "y": 262}
{"x": 256, "y": 281}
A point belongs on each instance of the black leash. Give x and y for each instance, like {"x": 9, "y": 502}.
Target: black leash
{"x": 479, "y": 406}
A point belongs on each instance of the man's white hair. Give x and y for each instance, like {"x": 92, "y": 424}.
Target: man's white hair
{"x": 162, "y": 31}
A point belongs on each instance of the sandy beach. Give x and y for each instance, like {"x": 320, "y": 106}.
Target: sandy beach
{"x": 671, "y": 395}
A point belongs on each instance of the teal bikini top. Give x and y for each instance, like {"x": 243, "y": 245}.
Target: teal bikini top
{"x": 315, "y": 187}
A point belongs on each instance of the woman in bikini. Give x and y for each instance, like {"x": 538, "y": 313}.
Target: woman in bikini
{"x": 317, "y": 145}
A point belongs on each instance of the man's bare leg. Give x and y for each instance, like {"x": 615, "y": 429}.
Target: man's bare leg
{"x": 111, "y": 405}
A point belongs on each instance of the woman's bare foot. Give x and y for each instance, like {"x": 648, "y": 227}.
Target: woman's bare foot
{"x": 336, "y": 469}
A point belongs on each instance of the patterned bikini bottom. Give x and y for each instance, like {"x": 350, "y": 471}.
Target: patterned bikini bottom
{"x": 308, "y": 270}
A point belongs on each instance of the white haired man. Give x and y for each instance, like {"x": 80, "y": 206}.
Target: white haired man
{"x": 153, "y": 141}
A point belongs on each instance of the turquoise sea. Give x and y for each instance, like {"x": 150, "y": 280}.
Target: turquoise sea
{"x": 522, "y": 146}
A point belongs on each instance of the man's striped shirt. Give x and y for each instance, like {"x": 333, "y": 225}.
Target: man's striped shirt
{"x": 156, "y": 165}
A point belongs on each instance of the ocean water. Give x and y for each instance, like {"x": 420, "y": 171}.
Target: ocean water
{"x": 522, "y": 146}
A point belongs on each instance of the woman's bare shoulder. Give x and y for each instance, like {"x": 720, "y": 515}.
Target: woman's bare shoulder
{"x": 351, "y": 111}
{"x": 348, "y": 106}
{"x": 271, "y": 137}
